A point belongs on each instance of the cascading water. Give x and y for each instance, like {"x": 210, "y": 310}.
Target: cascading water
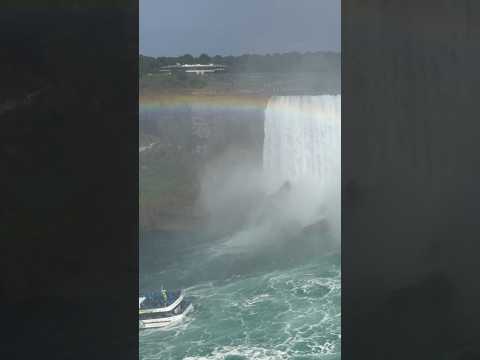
{"x": 302, "y": 146}
{"x": 302, "y": 139}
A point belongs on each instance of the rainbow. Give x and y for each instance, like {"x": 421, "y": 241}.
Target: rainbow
{"x": 221, "y": 102}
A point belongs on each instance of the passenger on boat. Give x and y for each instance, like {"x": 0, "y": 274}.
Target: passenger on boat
{"x": 165, "y": 297}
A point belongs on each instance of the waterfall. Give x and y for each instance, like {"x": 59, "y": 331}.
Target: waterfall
{"x": 302, "y": 140}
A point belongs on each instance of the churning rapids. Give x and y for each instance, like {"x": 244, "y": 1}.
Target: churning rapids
{"x": 270, "y": 287}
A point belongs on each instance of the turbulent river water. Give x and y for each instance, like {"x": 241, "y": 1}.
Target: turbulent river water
{"x": 264, "y": 291}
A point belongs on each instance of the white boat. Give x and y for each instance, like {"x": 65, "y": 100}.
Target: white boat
{"x": 161, "y": 309}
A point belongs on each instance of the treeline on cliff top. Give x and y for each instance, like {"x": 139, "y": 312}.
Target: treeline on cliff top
{"x": 288, "y": 62}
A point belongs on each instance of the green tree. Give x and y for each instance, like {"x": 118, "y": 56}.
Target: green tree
{"x": 204, "y": 59}
{"x": 217, "y": 59}
{"x": 186, "y": 59}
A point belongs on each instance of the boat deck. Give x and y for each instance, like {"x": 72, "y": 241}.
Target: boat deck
{"x": 157, "y": 300}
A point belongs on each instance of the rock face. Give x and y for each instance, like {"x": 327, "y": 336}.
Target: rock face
{"x": 178, "y": 142}
{"x": 204, "y": 131}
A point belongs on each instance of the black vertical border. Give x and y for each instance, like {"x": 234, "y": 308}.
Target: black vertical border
{"x": 410, "y": 179}
{"x": 69, "y": 179}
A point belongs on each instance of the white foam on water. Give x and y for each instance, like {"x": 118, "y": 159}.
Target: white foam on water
{"x": 146, "y": 147}
{"x": 275, "y": 315}
{"x": 244, "y": 352}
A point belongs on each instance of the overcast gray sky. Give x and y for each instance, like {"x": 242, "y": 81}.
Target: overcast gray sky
{"x": 235, "y": 27}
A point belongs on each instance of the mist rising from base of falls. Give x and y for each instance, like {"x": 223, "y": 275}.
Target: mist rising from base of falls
{"x": 294, "y": 190}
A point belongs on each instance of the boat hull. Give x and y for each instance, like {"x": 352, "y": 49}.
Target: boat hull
{"x": 164, "y": 322}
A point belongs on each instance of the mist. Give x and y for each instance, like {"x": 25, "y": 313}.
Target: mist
{"x": 254, "y": 206}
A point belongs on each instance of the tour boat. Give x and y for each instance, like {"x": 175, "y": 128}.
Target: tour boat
{"x": 163, "y": 308}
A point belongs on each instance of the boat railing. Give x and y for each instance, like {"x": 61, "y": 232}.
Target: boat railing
{"x": 165, "y": 308}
